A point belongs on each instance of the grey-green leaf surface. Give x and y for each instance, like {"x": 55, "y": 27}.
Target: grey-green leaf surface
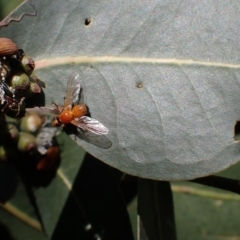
{"x": 163, "y": 76}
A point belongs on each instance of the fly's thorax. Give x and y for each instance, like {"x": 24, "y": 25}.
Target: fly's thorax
{"x": 79, "y": 110}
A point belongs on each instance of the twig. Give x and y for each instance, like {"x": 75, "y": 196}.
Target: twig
{"x": 223, "y": 183}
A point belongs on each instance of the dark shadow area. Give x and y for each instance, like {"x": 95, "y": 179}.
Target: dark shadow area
{"x": 5, "y": 233}
{"x": 87, "y": 21}
{"x": 8, "y": 175}
{"x": 237, "y": 131}
{"x": 37, "y": 100}
{"x": 129, "y": 188}
{"x": 26, "y": 167}
{"x": 224, "y": 183}
{"x": 156, "y": 210}
{"x": 97, "y": 206}
{"x": 8, "y": 181}
{"x": 31, "y": 197}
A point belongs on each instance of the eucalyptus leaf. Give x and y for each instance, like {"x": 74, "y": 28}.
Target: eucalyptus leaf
{"x": 162, "y": 76}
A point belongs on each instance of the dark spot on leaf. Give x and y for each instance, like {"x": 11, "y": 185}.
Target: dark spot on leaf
{"x": 139, "y": 85}
{"x": 87, "y": 21}
{"x": 237, "y": 131}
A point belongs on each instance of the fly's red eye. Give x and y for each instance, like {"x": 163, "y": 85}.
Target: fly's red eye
{"x": 66, "y": 117}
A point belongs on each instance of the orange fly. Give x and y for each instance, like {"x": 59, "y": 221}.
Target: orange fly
{"x": 75, "y": 113}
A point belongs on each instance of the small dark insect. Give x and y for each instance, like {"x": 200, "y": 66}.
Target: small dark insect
{"x": 75, "y": 113}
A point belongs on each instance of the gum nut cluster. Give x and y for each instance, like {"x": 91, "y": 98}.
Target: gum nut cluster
{"x": 32, "y": 138}
{"x": 28, "y": 141}
{"x": 16, "y": 82}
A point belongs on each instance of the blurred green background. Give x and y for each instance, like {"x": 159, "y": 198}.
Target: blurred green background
{"x": 6, "y": 6}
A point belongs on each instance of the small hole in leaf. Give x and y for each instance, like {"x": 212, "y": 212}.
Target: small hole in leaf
{"x": 237, "y": 131}
{"x": 87, "y": 21}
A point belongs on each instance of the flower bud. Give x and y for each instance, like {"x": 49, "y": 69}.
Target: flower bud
{"x": 13, "y": 131}
{"x": 31, "y": 122}
{"x": 27, "y": 64}
{"x": 26, "y": 142}
{"x": 34, "y": 88}
{"x": 20, "y": 81}
{"x": 39, "y": 82}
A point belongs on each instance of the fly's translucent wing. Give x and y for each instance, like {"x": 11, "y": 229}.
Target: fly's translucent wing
{"x": 55, "y": 110}
{"x": 72, "y": 96}
{"x": 100, "y": 141}
{"x": 77, "y": 133}
{"x": 90, "y": 124}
